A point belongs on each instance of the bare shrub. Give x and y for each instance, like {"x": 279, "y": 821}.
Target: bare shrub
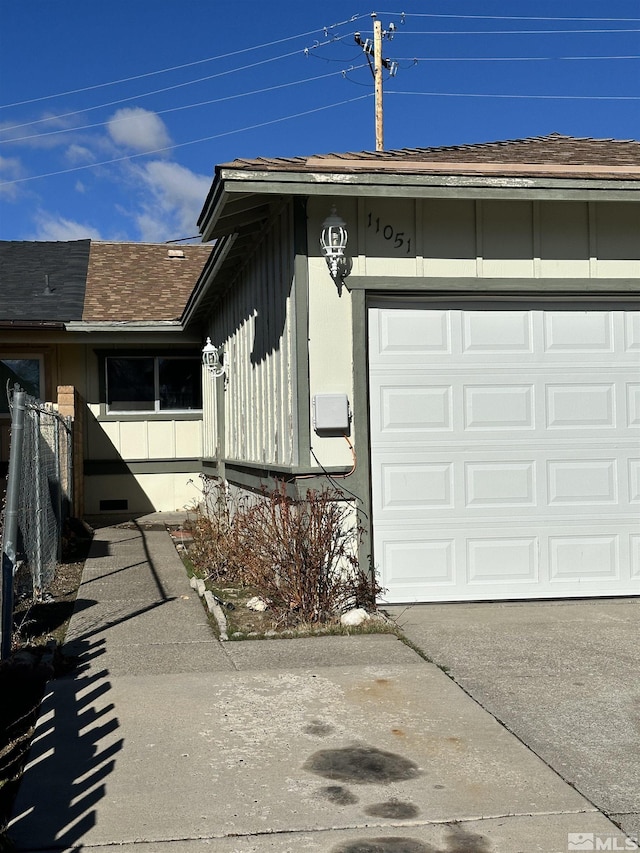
{"x": 217, "y": 545}
{"x": 301, "y": 555}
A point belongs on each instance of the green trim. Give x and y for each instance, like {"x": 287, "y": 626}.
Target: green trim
{"x": 301, "y": 332}
{"x": 255, "y": 477}
{"x": 101, "y": 467}
{"x": 361, "y": 479}
{"x": 452, "y": 285}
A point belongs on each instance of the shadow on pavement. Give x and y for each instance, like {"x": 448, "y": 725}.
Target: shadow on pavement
{"x": 73, "y": 751}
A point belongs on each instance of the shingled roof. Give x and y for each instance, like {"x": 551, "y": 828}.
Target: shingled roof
{"x": 561, "y": 156}
{"x": 42, "y": 281}
{"x": 140, "y": 281}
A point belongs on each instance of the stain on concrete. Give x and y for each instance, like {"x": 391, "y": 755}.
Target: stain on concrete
{"x": 385, "y": 845}
{"x": 398, "y": 732}
{"x": 339, "y": 796}
{"x": 362, "y": 765}
{"x": 393, "y": 809}
{"x": 318, "y": 728}
{"x": 458, "y": 840}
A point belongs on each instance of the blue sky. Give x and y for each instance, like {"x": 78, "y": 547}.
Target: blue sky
{"x": 114, "y": 114}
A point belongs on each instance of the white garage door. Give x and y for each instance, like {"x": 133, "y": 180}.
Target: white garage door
{"x": 505, "y": 451}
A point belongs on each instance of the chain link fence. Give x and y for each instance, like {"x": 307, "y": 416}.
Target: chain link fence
{"x": 45, "y": 483}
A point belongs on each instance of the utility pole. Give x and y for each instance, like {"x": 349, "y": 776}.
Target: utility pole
{"x": 376, "y": 69}
{"x": 377, "y": 78}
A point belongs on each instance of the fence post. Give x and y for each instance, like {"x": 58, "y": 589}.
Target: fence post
{"x": 9, "y": 541}
{"x": 36, "y": 568}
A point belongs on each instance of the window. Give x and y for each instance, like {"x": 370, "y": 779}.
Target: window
{"x": 153, "y": 383}
{"x": 26, "y": 371}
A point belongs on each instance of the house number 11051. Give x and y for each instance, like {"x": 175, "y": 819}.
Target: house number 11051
{"x": 396, "y": 238}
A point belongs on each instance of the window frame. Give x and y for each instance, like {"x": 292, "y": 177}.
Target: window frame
{"x": 10, "y": 355}
{"x": 156, "y": 412}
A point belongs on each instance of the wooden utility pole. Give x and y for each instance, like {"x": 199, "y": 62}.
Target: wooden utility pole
{"x": 377, "y": 75}
{"x": 377, "y": 66}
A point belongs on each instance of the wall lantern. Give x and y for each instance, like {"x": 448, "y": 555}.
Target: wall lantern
{"x": 212, "y": 359}
{"x": 333, "y": 242}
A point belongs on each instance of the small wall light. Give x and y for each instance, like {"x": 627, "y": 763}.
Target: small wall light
{"x": 333, "y": 242}
{"x": 212, "y": 359}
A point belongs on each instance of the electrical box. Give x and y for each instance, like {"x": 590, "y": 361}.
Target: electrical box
{"x": 331, "y": 413}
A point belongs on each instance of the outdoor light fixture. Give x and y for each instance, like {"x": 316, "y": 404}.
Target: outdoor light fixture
{"x": 212, "y": 359}
{"x": 333, "y": 242}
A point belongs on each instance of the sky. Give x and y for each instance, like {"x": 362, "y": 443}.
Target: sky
{"x": 113, "y": 115}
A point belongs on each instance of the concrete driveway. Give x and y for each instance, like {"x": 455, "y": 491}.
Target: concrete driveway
{"x": 563, "y": 676}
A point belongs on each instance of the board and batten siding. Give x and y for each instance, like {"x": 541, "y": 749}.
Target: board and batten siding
{"x": 254, "y": 323}
{"x": 492, "y": 238}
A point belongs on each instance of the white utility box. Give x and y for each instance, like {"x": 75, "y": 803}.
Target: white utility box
{"x": 331, "y": 413}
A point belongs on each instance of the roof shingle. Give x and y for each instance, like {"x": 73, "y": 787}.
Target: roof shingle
{"x": 140, "y": 281}
{"x": 42, "y": 281}
{"x": 553, "y": 150}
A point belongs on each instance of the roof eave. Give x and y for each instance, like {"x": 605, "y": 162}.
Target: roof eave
{"x": 124, "y": 326}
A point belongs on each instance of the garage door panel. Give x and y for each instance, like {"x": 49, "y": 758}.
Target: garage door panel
{"x": 485, "y": 332}
{"x": 579, "y": 332}
{"x": 633, "y": 404}
{"x": 420, "y": 405}
{"x": 493, "y": 562}
{"x": 509, "y": 466}
{"x": 580, "y": 405}
{"x": 583, "y": 557}
{"x": 505, "y": 484}
{"x": 634, "y": 549}
{"x": 500, "y": 407}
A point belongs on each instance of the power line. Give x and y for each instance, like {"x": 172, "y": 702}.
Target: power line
{"x": 511, "y": 32}
{"x": 77, "y": 129}
{"x": 524, "y": 97}
{"x": 154, "y": 92}
{"x": 507, "y": 17}
{"x": 183, "y": 144}
{"x": 511, "y": 58}
{"x": 178, "y": 67}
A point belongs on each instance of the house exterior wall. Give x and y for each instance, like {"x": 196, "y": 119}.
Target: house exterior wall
{"x": 254, "y": 418}
{"x": 519, "y": 241}
{"x": 146, "y": 460}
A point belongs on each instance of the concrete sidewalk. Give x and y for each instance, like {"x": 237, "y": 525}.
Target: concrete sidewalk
{"x": 165, "y": 738}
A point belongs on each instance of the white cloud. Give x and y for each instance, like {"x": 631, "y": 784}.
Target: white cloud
{"x": 10, "y": 169}
{"x": 50, "y": 227}
{"x": 139, "y": 129}
{"x": 176, "y": 196}
{"x": 41, "y": 133}
{"x": 79, "y": 154}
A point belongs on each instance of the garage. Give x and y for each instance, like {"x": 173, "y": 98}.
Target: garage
{"x": 505, "y": 459}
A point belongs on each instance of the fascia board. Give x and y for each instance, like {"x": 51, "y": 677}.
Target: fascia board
{"x": 369, "y": 184}
{"x": 125, "y": 326}
{"x": 216, "y": 260}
